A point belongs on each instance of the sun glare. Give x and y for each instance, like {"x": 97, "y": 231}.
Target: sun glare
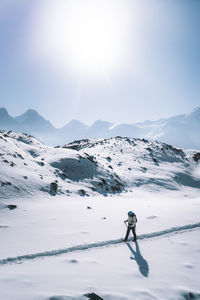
{"x": 85, "y": 36}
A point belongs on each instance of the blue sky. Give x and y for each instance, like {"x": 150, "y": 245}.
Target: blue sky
{"x": 120, "y": 61}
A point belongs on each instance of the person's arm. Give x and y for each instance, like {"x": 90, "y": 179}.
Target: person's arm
{"x": 126, "y": 221}
{"x": 135, "y": 219}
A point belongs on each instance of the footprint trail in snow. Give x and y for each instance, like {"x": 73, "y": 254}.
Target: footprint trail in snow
{"x": 173, "y": 230}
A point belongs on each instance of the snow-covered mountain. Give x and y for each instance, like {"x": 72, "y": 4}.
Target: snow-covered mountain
{"x": 180, "y": 131}
{"x": 89, "y": 167}
{"x": 33, "y": 122}
{"x": 99, "y": 129}
{"x": 74, "y": 234}
{"x": 7, "y": 122}
{"x": 72, "y": 131}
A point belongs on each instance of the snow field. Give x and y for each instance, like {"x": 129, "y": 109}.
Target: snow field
{"x": 165, "y": 267}
{"x": 113, "y": 273}
{"x": 48, "y": 223}
{"x": 157, "y": 181}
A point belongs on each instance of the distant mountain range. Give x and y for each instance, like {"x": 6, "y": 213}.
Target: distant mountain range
{"x": 180, "y": 131}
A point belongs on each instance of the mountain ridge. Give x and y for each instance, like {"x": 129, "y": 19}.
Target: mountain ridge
{"x": 181, "y": 130}
{"x": 93, "y": 166}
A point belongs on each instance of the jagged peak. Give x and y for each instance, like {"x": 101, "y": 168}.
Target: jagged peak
{"x": 100, "y": 123}
{"x": 194, "y": 113}
{"x": 196, "y": 109}
{"x": 3, "y": 110}
{"x": 74, "y": 123}
{"x": 31, "y": 112}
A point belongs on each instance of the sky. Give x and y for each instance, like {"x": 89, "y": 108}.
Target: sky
{"x": 114, "y": 60}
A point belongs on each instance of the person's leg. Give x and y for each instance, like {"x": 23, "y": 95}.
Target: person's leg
{"x": 134, "y": 234}
{"x": 127, "y": 233}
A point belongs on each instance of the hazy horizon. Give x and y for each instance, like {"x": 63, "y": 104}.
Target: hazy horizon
{"x": 90, "y": 124}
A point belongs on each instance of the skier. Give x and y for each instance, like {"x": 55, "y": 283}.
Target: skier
{"x": 131, "y": 225}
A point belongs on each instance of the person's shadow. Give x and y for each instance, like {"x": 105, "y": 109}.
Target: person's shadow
{"x": 141, "y": 262}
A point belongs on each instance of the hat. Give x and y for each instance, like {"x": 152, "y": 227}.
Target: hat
{"x": 130, "y": 213}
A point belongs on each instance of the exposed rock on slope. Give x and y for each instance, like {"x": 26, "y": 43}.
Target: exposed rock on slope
{"x": 89, "y": 167}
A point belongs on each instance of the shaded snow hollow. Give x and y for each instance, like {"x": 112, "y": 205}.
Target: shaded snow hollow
{"x": 90, "y": 167}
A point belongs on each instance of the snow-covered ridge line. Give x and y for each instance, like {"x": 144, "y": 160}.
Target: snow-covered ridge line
{"x": 172, "y": 230}
{"x": 90, "y": 167}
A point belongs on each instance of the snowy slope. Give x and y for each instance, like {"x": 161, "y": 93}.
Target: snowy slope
{"x": 142, "y": 162}
{"x": 89, "y": 167}
{"x": 71, "y": 248}
{"x": 29, "y": 167}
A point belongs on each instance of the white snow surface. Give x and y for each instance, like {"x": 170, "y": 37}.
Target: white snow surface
{"x": 67, "y": 246}
{"x": 92, "y": 167}
{"x": 164, "y": 264}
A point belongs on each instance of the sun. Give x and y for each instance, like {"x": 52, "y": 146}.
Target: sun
{"x": 85, "y": 36}
{"x": 93, "y": 37}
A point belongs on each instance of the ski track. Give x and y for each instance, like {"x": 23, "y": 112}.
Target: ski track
{"x": 172, "y": 230}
